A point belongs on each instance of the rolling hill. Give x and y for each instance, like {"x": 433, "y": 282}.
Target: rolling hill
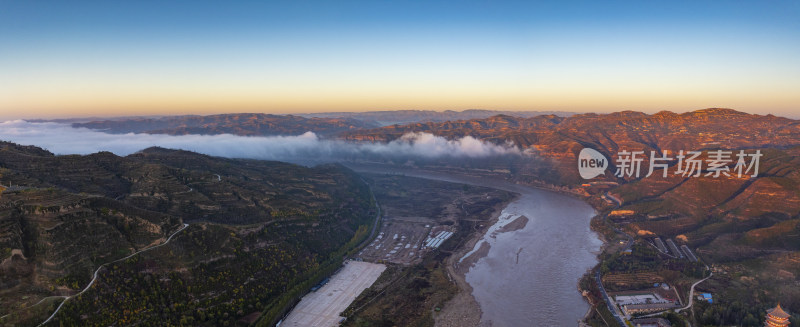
{"x": 258, "y": 232}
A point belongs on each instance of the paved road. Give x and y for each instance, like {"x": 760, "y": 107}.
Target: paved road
{"x": 691, "y": 292}
{"x": 96, "y": 272}
{"x": 610, "y": 304}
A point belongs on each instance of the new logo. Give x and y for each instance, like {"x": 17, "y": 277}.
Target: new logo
{"x": 591, "y": 163}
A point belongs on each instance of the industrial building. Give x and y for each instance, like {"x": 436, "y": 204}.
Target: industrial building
{"x": 689, "y": 253}
{"x": 632, "y": 309}
{"x": 644, "y": 302}
{"x": 677, "y": 253}
{"x": 436, "y": 241}
{"x": 660, "y": 245}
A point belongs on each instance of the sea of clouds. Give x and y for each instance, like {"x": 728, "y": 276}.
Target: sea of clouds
{"x": 61, "y": 138}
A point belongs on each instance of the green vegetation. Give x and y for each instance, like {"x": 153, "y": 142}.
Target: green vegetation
{"x": 279, "y": 307}
{"x": 675, "y": 319}
{"x": 259, "y": 236}
{"x": 645, "y": 258}
{"x": 600, "y": 316}
{"x": 408, "y": 299}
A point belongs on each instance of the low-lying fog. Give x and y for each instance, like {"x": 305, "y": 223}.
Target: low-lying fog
{"x": 61, "y": 138}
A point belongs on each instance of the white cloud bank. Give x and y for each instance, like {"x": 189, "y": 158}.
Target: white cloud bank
{"x": 64, "y": 139}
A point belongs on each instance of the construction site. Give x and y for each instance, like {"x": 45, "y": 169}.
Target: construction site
{"x": 404, "y": 241}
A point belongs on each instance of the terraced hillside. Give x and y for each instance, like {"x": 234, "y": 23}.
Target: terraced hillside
{"x": 58, "y": 239}
{"x": 555, "y": 135}
{"x": 747, "y": 227}
{"x": 258, "y": 233}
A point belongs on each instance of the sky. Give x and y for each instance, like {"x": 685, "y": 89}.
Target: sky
{"x": 63, "y": 59}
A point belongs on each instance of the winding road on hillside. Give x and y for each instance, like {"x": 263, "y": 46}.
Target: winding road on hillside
{"x": 691, "y": 291}
{"x": 96, "y": 272}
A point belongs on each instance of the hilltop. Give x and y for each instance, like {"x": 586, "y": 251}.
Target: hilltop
{"x": 271, "y": 226}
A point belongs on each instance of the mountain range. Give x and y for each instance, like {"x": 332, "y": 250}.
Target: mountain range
{"x": 237, "y": 124}
{"x": 400, "y": 117}
{"x": 242, "y": 211}
{"x": 747, "y": 228}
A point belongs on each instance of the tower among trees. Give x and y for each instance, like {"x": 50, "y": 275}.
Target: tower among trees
{"x": 776, "y": 317}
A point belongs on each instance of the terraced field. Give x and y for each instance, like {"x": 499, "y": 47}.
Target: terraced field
{"x": 260, "y": 232}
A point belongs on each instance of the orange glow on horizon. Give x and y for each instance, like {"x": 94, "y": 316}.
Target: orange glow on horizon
{"x": 209, "y": 102}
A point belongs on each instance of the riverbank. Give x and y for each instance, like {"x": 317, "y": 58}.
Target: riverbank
{"x": 463, "y": 310}
{"x": 495, "y": 284}
{"x": 607, "y": 244}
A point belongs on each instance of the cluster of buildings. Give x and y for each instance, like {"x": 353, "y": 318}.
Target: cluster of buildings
{"x": 643, "y": 303}
{"x": 673, "y": 249}
{"x": 705, "y": 297}
{"x": 435, "y": 241}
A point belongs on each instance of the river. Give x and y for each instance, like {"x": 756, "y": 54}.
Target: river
{"x": 556, "y": 247}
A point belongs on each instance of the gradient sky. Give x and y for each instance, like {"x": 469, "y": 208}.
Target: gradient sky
{"x": 82, "y": 58}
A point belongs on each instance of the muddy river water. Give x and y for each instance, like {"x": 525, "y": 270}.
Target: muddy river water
{"x": 530, "y": 276}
